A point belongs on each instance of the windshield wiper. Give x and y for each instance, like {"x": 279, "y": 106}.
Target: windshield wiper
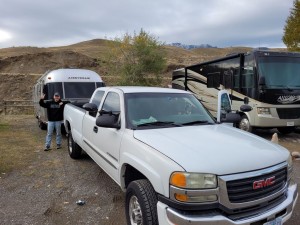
{"x": 159, "y": 123}
{"x": 196, "y": 122}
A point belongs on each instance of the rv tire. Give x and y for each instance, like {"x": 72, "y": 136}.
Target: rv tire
{"x": 244, "y": 124}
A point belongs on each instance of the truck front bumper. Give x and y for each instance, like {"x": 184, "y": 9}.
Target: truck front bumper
{"x": 167, "y": 215}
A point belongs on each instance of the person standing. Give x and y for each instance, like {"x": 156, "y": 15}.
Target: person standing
{"x": 55, "y": 110}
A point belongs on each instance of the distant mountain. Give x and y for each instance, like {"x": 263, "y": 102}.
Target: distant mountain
{"x": 180, "y": 45}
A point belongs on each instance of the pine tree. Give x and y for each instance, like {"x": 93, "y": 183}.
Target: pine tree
{"x": 291, "y": 37}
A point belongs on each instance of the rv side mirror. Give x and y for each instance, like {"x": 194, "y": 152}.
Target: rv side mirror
{"x": 262, "y": 81}
{"x": 245, "y": 108}
{"x": 108, "y": 120}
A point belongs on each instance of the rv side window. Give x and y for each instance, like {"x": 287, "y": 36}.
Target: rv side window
{"x": 100, "y": 84}
{"x": 248, "y": 72}
{"x": 51, "y": 88}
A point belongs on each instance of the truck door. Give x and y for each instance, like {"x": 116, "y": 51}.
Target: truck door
{"x": 105, "y": 142}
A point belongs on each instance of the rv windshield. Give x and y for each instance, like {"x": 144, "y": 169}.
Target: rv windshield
{"x": 154, "y": 110}
{"x": 280, "y": 72}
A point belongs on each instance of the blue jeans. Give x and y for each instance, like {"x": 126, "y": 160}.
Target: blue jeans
{"x": 50, "y": 129}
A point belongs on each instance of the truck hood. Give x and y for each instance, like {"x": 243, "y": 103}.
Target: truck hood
{"x": 217, "y": 149}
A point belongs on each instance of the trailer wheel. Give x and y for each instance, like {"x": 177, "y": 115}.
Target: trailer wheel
{"x": 244, "y": 124}
{"x": 42, "y": 125}
{"x": 286, "y": 130}
{"x": 140, "y": 203}
{"x": 73, "y": 148}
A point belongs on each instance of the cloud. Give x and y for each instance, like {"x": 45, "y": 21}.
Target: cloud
{"x": 216, "y": 22}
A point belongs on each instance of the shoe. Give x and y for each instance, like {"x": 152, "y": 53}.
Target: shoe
{"x": 47, "y": 149}
{"x": 58, "y": 147}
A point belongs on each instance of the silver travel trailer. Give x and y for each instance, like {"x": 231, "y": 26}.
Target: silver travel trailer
{"x": 74, "y": 85}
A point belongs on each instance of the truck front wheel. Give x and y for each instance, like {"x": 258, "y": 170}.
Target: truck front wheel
{"x": 140, "y": 203}
{"x": 73, "y": 148}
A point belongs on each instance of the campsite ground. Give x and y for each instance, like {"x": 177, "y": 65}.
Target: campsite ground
{"x": 40, "y": 187}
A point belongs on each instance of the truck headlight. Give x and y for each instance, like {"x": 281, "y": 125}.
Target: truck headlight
{"x": 264, "y": 111}
{"x": 193, "y": 180}
{"x": 193, "y": 187}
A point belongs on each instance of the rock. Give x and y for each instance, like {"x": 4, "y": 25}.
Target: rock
{"x": 275, "y": 138}
{"x": 295, "y": 155}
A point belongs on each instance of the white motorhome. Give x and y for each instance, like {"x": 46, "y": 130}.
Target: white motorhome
{"x": 74, "y": 85}
{"x": 269, "y": 79}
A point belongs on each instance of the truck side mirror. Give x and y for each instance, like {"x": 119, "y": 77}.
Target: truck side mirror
{"x": 91, "y": 108}
{"x": 108, "y": 120}
{"x": 231, "y": 118}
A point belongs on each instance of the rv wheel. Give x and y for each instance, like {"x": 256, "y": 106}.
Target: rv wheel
{"x": 244, "y": 124}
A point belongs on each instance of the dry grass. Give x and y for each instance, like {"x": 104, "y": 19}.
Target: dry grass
{"x": 17, "y": 144}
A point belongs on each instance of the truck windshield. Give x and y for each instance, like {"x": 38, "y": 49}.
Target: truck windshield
{"x": 280, "y": 72}
{"x": 153, "y": 110}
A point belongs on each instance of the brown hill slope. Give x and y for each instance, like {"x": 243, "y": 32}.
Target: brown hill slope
{"x": 18, "y": 64}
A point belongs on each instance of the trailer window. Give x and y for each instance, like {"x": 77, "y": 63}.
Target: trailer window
{"x": 51, "y": 88}
{"x": 79, "y": 90}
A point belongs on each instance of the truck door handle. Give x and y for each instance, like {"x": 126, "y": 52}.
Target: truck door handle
{"x": 95, "y": 129}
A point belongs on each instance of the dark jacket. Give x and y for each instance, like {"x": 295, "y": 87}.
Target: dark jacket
{"x": 54, "y": 110}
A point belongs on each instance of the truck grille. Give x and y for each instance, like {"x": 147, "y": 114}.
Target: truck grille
{"x": 293, "y": 113}
{"x": 240, "y": 191}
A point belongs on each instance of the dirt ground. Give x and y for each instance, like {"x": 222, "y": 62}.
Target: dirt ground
{"x": 40, "y": 187}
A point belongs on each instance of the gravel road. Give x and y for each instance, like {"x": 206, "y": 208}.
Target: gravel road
{"x": 44, "y": 190}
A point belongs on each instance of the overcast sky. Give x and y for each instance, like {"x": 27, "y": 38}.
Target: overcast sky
{"x": 221, "y": 23}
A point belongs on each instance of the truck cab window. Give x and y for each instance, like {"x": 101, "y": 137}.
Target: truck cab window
{"x": 97, "y": 98}
{"x": 111, "y": 102}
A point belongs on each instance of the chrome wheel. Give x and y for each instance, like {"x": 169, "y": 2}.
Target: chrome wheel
{"x": 245, "y": 124}
{"x": 135, "y": 212}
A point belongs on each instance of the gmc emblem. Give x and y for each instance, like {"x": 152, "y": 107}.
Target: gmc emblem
{"x": 263, "y": 183}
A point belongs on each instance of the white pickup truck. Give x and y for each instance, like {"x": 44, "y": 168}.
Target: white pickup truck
{"x": 177, "y": 164}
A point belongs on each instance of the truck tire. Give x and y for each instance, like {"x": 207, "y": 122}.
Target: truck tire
{"x": 140, "y": 203}
{"x": 73, "y": 148}
{"x": 286, "y": 130}
{"x": 244, "y": 124}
